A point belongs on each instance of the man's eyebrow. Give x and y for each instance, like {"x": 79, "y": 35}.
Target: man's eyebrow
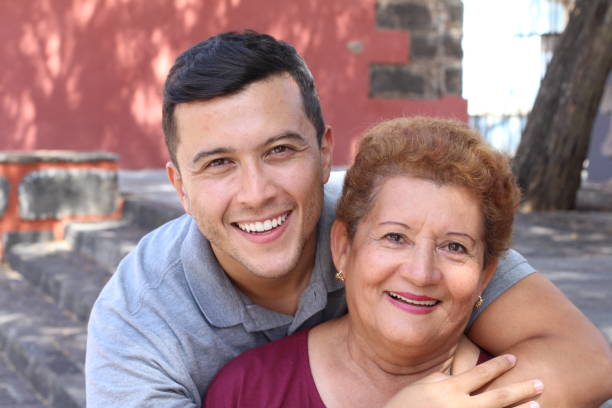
{"x": 205, "y": 153}
{"x": 286, "y": 135}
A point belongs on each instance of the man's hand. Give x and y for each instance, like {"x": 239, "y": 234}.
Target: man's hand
{"x": 442, "y": 391}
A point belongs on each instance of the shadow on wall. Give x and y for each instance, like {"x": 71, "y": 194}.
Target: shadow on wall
{"x": 87, "y": 74}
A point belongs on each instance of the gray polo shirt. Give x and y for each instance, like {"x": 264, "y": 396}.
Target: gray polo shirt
{"x": 170, "y": 318}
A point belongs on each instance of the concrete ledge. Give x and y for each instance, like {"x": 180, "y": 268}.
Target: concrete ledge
{"x": 62, "y": 193}
{"x": 4, "y": 194}
{"x": 42, "y": 190}
{"x": 55, "y": 156}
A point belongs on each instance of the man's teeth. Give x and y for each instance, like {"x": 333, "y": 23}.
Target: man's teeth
{"x": 426, "y": 303}
{"x": 263, "y": 226}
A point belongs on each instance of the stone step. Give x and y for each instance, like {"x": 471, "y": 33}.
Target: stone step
{"x": 16, "y": 392}
{"x": 148, "y": 214}
{"x": 106, "y": 243}
{"x": 73, "y": 281}
{"x": 45, "y": 345}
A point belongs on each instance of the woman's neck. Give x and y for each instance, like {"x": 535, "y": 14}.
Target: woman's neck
{"x": 379, "y": 358}
{"x": 365, "y": 371}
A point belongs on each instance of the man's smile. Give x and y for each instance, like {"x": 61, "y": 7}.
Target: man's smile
{"x": 262, "y": 226}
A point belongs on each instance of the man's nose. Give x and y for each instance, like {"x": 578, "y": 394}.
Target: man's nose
{"x": 257, "y": 186}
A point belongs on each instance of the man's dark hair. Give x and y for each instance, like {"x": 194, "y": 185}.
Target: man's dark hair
{"x": 225, "y": 64}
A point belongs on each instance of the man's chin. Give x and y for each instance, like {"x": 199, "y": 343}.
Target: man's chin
{"x": 271, "y": 272}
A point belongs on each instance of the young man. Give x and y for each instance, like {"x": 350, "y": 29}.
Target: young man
{"x": 250, "y": 262}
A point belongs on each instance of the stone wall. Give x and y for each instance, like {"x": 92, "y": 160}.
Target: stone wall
{"x": 41, "y": 190}
{"x": 434, "y": 68}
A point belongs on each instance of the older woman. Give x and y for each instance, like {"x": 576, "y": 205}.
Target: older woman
{"x": 426, "y": 211}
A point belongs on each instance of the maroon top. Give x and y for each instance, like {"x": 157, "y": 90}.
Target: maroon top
{"x": 276, "y": 374}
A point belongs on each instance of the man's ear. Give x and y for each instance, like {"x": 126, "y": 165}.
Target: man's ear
{"x": 340, "y": 244}
{"x": 327, "y": 150}
{"x": 174, "y": 176}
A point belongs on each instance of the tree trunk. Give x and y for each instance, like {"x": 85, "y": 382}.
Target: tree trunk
{"x": 555, "y": 142}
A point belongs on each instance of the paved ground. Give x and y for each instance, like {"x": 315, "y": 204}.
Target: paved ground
{"x": 15, "y": 392}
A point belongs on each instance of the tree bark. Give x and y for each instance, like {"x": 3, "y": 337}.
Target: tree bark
{"x": 555, "y": 142}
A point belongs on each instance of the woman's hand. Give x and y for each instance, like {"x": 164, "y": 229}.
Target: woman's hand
{"x": 443, "y": 391}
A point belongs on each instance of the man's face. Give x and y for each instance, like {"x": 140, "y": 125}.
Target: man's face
{"x": 252, "y": 175}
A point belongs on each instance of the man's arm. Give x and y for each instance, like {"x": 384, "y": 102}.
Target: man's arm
{"x": 128, "y": 365}
{"x": 553, "y": 341}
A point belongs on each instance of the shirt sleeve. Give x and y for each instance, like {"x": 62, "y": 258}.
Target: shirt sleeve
{"x": 128, "y": 365}
{"x": 512, "y": 268}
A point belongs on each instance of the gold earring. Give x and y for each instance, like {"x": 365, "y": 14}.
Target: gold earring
{"x": 479, "y": 302}
{"x": 340, "y": 276}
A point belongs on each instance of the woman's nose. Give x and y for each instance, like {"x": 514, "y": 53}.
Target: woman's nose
{"x": 420, "y": 268}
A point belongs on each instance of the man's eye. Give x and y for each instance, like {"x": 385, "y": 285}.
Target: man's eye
{"x": 280, "y": 150}
{"x": 218, "y": 162}
{"x": 456, "y": 247}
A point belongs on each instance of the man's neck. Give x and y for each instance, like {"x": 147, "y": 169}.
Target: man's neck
{"x": 279, "y": 294}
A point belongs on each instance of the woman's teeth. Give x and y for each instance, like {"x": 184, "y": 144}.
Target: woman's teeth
{"x": 262, "y": 226}
{"x": 425, "y": 303}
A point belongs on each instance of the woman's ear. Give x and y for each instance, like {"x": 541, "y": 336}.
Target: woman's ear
{"x": 340, "y": 244}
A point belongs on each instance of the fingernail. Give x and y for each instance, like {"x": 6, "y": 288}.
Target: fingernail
{"x": 538, "y": 385}
{"x": 534, "y": 404}
{"x": 511, "y": 358}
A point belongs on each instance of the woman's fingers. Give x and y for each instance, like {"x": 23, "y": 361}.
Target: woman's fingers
{"x": 484, "y": 373}
{"x": 441, "y": 391}
{"x": 510, "y": 394}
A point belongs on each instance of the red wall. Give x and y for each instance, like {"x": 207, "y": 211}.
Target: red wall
{"x": 87, "y": 74}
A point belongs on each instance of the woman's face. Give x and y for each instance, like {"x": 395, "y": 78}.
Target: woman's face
{"x": 415, "y": 266}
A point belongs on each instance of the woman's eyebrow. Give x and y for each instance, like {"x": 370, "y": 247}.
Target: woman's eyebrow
{"x": 400, "y": 224}
{"x": 463, "y": 234}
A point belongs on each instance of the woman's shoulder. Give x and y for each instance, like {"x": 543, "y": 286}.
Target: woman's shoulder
{"x": 261, "y": 377}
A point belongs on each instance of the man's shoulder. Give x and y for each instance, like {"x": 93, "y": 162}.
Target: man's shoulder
{"x": 156, "y": 257}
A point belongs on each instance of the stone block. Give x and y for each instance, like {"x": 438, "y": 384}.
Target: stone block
{"x": 455, "y": 14}
{"x": 453, "y": 81}
{"x": 423, "y": 46}
{"x": 407, "y": 16}
{"x": 5, "y": 189}
{"x": 61, "y": 193}
{"x": 452, "y": 47}
{"x": 395, "y": 81}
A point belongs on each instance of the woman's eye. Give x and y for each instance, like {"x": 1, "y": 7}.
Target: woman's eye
{"x": 456, "y": 247}
{"x": 393, "y": 237}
